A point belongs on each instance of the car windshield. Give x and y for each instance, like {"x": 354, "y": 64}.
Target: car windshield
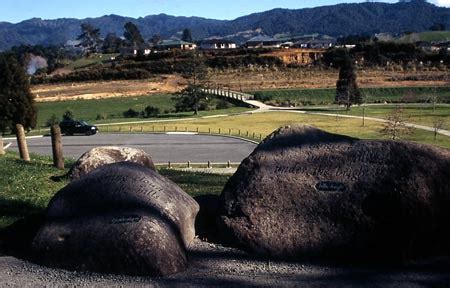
{"x": 84, "y": 123}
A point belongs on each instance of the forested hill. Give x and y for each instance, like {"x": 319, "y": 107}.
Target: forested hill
{"x": 336, "y": 20}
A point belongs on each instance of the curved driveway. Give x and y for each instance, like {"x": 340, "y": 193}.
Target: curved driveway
{"x": 176, "y": 148}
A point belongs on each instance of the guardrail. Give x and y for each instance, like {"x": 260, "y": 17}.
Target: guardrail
{"x": 219, "y": 131}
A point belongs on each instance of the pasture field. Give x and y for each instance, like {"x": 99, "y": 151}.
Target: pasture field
{"x": 304, "y": 97}
{"x": 111, "y": 109}
{"x": 421, "y": 114}
{"x": 88, "y": 61}
{"x": 256, "y": 126}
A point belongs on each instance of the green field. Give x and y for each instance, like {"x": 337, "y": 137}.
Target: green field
{"x": 305, "y": 97}
{"x": 258, "y": 125}
{"x": 112, "y": 108}
{"x": 422, "y": 114}
{"x": 26, "y": 188}
{"x": 427, "y": 36}
{"x": 88, "y": 61}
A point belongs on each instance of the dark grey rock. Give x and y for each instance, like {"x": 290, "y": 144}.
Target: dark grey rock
{"x": 306, "y": 193}
{"x": 100, "y": 156}
{"x": 120, "y": 218}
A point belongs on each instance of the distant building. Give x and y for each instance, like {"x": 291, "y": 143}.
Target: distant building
{"x": 315, "y": 43}
{"x": 217, "y": 44}
{"x": 175, "y": 44}
{"x": 287, "y": 44}
{"x": 126, "y": 51}
{"x": 263, "y": 41}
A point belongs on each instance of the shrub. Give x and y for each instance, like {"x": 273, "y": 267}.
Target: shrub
{"x": 52, "y": 121}
{"x": 130, "y": 113}
{"x": 151, "y": 111}
{"x": 68, "y": 115}
{"x": 222, "y": 104}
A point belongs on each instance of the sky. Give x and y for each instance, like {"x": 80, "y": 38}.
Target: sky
{"x": 18, "y": 10}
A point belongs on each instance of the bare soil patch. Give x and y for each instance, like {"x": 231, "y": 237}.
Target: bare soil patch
{"x": 246, "y": 79}
{"x": 107, "y": 89}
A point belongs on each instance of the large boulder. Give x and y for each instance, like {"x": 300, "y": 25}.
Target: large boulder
{"x": 121, "y": 218}
{"x": 305, "y": 193}
{"x": 100, "y": 156}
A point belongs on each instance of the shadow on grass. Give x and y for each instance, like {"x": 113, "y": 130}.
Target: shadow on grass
{"x": 16, "y": 238}
{"x": 18, "y": 208}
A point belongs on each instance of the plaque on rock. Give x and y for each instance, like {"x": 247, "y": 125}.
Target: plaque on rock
{"x": 305, "y": 193}
{"x": 121, "y": 218}
{"x": 330, "y": 186}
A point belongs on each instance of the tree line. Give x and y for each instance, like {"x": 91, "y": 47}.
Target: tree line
{"x": 91, "y": 41}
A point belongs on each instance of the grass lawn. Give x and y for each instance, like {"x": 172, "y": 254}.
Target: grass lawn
{"x": 26, "y": 188}
{"x": 422, "y": 114}
{"x": 427, "y": 36}
{"x": 112, "y": 108}
{"x": 91, "y": 60}
{"x": 262, "y": 124}
{"x": 371, "y": 95}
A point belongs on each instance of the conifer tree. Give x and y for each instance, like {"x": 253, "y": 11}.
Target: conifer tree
{"x": 16, "y": 101}
{"x": 347, "y": 91}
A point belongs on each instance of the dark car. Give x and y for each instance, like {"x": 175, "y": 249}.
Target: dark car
{"x": 70, "y": 127}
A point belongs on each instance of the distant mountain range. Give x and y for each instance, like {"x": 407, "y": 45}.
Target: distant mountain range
{"x": 335, "y": 20}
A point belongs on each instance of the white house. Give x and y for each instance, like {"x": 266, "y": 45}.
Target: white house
{"x": 217, "y": 44}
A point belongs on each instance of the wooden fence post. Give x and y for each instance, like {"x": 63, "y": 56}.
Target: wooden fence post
{"x": 58, "y": 160}
{"x": 2, "y": 151}
{"x": 22, "y": 143}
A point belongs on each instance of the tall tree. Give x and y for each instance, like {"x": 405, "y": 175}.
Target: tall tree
{"x": 347, "y": 91}
{"x": 16, "y": 101}
{"x": 90, "y": 38}
{"x": 192, "y": 98}
{"x": 112, "y": 43}
{"x": 155, "y": 39}
{"x": 187, "y": 35}
{"x": 133, "y": 35}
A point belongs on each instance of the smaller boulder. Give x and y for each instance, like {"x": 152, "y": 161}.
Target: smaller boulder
{"x": 121, "y": 218}
{"x": 100, "y": 156}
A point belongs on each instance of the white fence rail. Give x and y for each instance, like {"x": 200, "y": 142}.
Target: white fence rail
{"x": 229, "y": 94}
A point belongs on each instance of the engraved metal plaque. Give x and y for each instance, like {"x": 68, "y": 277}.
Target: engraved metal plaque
{"x": 330, "y": 186}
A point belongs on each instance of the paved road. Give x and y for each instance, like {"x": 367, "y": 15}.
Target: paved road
{"x": 177, "y": 148}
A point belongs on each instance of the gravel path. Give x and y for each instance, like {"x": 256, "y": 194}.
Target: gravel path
{"x": 215, "y": 265}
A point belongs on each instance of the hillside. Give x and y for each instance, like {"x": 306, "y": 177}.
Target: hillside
{"x": 335, "y": 20}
